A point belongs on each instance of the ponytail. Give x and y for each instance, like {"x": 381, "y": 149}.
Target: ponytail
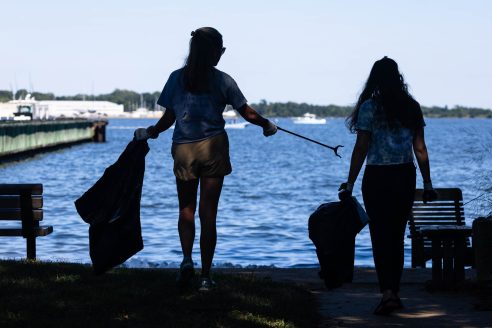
{"x": 205, "y": 50}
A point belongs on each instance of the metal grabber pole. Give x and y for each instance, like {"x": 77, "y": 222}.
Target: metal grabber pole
{"x": 335, "y": 149}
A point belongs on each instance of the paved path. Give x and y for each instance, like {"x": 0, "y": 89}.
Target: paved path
{"x": 352, "y": 304}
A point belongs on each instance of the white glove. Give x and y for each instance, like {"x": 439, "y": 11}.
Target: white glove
{"x": 144, "y": 134}
{"x": 141, "y": 134}
{"x": 270, "y": 129}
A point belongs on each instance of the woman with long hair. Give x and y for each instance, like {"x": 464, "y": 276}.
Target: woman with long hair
{"x": 390, "y": 129}
{"x": 195, "y": 97}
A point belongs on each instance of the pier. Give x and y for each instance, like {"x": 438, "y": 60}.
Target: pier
{"x": 26, "y": 138}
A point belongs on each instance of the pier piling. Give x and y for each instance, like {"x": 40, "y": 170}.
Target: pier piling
{"x": 25, "y": 139}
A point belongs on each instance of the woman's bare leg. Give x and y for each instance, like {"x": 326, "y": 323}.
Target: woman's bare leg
{"x": 210, "y": 189}
{"x": 187, "y": 192}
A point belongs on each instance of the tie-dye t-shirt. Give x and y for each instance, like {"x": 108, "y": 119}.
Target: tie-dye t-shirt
{"x": 199, "y": 116}
{"x": 389, "y": 144}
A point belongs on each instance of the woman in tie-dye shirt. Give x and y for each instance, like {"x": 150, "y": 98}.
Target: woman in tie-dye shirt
{"x": 390, "y": 130}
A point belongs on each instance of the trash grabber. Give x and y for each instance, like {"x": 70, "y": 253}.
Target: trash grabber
{"x": 335, "y": 149}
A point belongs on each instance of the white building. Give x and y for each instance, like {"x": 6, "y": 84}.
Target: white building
{"x": 76, "y": 108}
{"x": 50, "y": 109}
{"x": 7, "y": 111}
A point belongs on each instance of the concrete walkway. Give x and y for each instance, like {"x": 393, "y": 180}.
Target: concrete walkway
{"x": 352, "y": 305}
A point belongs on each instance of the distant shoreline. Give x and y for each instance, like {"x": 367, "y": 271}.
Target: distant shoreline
{"x": 291, "y": 109}
{"x": 132, "y": 100}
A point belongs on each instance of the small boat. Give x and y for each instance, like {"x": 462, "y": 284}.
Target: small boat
{"x": 236, "y": 125}
{"x": 309, "y": 118}
{"x": 232, "y": 122}
{"x": 229, "y": 114}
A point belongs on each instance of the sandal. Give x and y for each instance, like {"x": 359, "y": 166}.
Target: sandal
{"x": 387, "y": 306}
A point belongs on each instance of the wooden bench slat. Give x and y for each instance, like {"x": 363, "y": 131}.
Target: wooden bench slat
{"x": 15, "y": 214}
{"x": 15, "y": 232}
{"x": 436, "y": 209}
{"x": 437, "y": 213}
{"x": 435, "y": 218}
{"x": 23, "y": 202}
{"x": 15, "y": 189}
{"x": 446, "y": 210}
{"x": 13, "y": 201}
{"x": 437, "y": 204}
{"x": 425, "y": 216}
{"x": 442, "y": 214}
{"x": 439, "y": 219}
{"x": 438, "y": 222}
{"x": 421, "y": 223}
{"x": 428, "y": 242}
{"x": 430, "y": 223}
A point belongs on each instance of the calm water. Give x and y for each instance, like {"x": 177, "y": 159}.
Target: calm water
{"x": 276, "y": 183}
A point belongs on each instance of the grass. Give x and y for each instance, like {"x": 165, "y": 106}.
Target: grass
{"x": 39, "y": 294}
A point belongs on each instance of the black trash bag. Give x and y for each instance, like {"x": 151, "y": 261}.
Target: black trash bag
{"x": 112, "y": 208}
{"x": 332, "y": 229}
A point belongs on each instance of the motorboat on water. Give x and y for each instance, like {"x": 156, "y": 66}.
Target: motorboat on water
{"x": 232, "y": 120}
{"x": 236, "y": 125}
{"x": 309, "y": 118}
{"x": 229, "y": 114}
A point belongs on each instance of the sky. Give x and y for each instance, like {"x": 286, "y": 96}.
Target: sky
{"x": 318, "y": 52}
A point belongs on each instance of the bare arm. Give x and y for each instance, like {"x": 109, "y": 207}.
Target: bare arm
{"x": 359, "y": 154}
{"x": 250, "y": 115}
{"x": 164, "y": 123}
{"x": 420, "y": 150}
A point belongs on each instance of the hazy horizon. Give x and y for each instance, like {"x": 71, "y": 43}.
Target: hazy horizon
{"x": 317, "y": 52}
{"x": 254, "y": 102}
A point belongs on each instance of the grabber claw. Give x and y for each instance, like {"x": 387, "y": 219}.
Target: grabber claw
{"x": 335, "y": 149}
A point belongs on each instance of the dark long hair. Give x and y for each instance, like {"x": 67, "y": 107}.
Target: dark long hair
{"x": 386, "y": 86}
{"x": 205, "y": 50}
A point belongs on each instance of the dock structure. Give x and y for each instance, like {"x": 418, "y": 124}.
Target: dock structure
{"x": 19, "y": 139}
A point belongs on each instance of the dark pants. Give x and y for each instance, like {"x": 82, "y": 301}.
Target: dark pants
{"x": 388, "y": 192}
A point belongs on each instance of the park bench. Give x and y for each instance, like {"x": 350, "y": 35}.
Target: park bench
{"x": 435, "y": 218}
{"x": 23, "y": 202}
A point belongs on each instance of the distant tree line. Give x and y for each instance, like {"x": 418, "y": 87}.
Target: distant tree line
{"x": 5, "y": 96}
{"x": 457, "y": 111}
{"x": 291, "y": 109}
{"x": 132, "y": 100}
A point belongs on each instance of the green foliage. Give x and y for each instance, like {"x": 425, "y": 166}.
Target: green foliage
{"x": 291, "y": 109}
{"x": 457, "y": 111}
{"x": 78, "y": 96}
{"x": 5, "y": 96}
{"x": 21, "y": 94}
{"x": 129, "y": 99}
{"x": 43, "y": 96}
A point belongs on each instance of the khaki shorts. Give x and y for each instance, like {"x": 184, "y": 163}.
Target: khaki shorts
{"x": 206, "y": 158}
